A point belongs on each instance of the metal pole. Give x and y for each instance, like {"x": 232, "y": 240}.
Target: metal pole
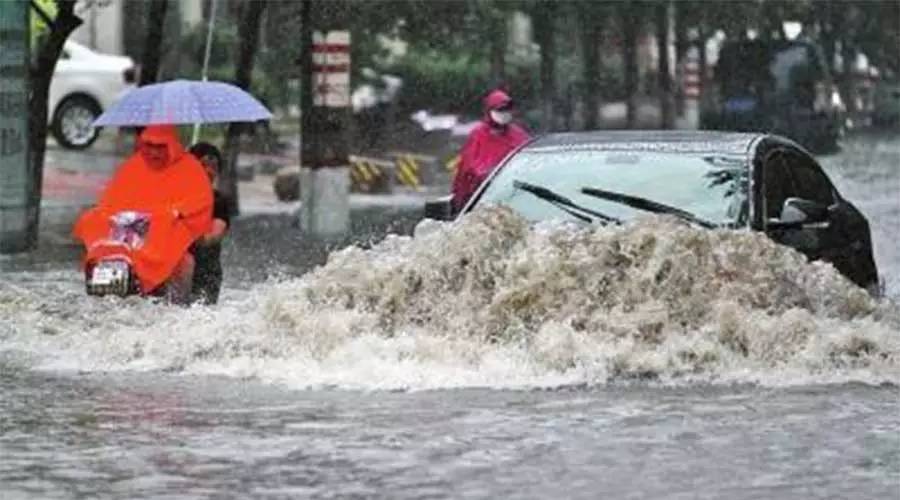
{"x": 205, "y": 71}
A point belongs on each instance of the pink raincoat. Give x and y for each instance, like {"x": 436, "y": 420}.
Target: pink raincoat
{"x": 485, "y": 148}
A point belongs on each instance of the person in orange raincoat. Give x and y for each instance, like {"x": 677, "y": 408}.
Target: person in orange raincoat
{"x": 160, "y": 179}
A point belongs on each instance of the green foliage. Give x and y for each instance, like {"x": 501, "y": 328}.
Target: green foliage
{"x": 271, "y": 73}
{"x": 224, "y": 43}
{"x": 447, "y": 65}
{"x": 440, "y": 80}
{"x": 38, "y": 27}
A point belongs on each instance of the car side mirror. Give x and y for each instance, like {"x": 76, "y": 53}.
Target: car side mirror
{"x": 798, "y": 212}
{"x": 804, "y": 211}
{"x": 439, "y": 208}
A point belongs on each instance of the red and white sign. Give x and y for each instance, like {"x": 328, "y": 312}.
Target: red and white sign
{"x": 331, "y": 69}
{"x": 691, "y": 81}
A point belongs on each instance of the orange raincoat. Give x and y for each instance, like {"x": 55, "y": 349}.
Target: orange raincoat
{"x": 178, "y": 197}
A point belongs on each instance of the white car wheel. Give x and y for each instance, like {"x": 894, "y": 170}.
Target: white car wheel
{"x": 73, "y": 123}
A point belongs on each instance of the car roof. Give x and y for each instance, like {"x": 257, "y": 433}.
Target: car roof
{"x": 658, "y": 141}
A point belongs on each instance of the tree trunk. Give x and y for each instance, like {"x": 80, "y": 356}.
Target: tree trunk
{"x": 498, "y": 51}
{"x": 826, "y": 30}
{"x": 663, "y": 70}
{"x": 41, "y": 73}
{"x": 306, "y": 80}
{"x": 630, "y": 25}
{"x": 156, "y": 17}
{"x": 545, "y": 35}
{"x": 844, "y": 30}
{"x": 701, "y": 53}
{"x": 590, "y": 39}
{"x": 248, "y": 34}
{"x": 681, "y": 46}
{"x": 772, "y": 15}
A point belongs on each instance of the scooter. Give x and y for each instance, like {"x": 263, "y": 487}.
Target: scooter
{"x": 113, "y": 273}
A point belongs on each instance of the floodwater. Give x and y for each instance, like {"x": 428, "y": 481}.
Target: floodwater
{"x": 493, "y": 360}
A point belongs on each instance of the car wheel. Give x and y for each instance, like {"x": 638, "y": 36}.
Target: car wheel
{"x": 73, "y": 122}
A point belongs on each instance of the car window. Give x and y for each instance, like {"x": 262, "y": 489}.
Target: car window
{"x": 712, "y": 187}
{"x": 778, "y": 184}
{"x": 810, "y": 182}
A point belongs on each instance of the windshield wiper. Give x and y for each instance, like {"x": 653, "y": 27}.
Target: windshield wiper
{"x": 647, "y": 205}
{"x": 563, "y": 203}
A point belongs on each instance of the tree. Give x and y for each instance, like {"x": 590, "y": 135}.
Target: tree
{"x": 543, "y": 14}
{"x": 495, "y": 16}
{"x": 630, "y": 17}
{"x": 663, "y": 71}
{"x": 156, "y": 16}
{"x": 43, "y": 65}
{"x": 248, "y": 34}
{"x": 590, "y": 17}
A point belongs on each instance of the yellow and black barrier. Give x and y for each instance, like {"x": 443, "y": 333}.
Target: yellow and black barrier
{"x": 408, "y": 171}
{"x": 452, "y": 164}
{"x": 397, "y": 169}
{"x": 370, "y": 175}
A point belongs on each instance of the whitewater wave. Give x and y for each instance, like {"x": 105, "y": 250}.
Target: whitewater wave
{"x": 491, "y": 301}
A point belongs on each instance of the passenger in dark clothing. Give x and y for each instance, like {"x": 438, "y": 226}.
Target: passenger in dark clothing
{"x": 207, "y": 250}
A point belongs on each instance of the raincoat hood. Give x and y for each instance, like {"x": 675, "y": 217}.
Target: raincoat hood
{"x": 496, "y": 99}
{"x": 166, "y": 135}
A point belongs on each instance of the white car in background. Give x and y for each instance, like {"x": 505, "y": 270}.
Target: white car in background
{"x": 84, "y": 84}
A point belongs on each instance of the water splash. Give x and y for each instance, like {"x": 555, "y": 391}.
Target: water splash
{"x": 493, "y": 302}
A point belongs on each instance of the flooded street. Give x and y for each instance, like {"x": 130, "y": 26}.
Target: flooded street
{"x": 493, "y": 360}
{"x": 154, "y": 436}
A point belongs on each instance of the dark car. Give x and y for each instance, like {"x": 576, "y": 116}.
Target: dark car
{"x": 732, "y": 180}
{"x": 780, "y": 87}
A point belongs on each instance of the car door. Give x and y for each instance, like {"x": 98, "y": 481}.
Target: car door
{"x": 842, "y": 235}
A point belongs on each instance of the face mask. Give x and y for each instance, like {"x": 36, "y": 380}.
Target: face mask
{"x": 501, "y": 117}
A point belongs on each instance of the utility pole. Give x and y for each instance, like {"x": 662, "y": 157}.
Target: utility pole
{"x": 17, "y": 205}
{"x": 325, "y": 110}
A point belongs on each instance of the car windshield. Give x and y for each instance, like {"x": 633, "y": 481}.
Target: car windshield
{"x": 711, "y": 187}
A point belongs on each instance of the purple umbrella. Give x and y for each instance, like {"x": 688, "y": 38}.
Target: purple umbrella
{"x": 184, "y": 102}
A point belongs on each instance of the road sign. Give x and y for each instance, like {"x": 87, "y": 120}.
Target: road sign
{"x": 331, "y": 69}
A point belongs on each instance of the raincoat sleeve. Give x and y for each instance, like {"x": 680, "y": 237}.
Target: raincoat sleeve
{"x": 465, "y": 182}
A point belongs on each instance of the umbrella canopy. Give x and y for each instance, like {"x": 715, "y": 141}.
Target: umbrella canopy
{"x": 181, "y": 102}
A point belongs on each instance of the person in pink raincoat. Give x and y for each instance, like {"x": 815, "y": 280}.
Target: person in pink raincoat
{"x": 488, "y": 143}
